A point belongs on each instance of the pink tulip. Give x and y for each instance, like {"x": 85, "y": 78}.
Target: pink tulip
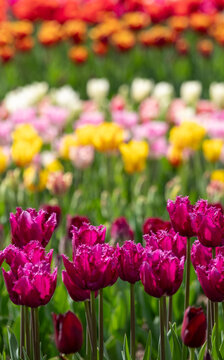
{"x": 121, "y": 230}
{"x": 88, "y": 234}
{"x": 180, "y": 215}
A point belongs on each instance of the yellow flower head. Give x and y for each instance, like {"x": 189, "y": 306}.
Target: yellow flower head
{"x": 218, "y": 175}
{"x": 54, "y": 166}
{"x": 26, "y": 144}
{"x": 108, "y": 137}
{"x": 85, "y": 134}
{"x": 67, "y": 142}
{"x": 175, "y": 156}
{"x": 134, "y": 155}
{"x": 188, "y": 135}
{"x": 35, "y": 180}
{"x": 212, "y": 149}
{"x": 3, "y": 161}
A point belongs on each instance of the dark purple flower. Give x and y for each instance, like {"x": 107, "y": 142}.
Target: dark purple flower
{"x": 130, "y": 257}
{"x": 193, "y": 332}
{"x": 28, "y": 225}
{"x": 76, "y": 221}
{"x": 180, "y": 215}
{"x": 154, "y": 225}
{"x": 121, "y": 230}
{"x": 51, "y": 209}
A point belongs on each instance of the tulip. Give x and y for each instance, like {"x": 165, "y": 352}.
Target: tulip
{"x": 161, "y": 273}
{"x": 29, "y": 282}
{"x": 76, "y": 221}
{"x": 27, "y": 225}
{"x": 93, "y": 267}
{"x": 76, "y": 293}
{"x": 154, "y": 225}
{"x": 68, "y": 333}
{"x": 52, "y": 209}
{"x": 180, "y": 215}
{"x": 88, "y": 234}
{"x": 121, "y": 230}
{"x": 208, "y": 223}
{"x": 194, "y": 326}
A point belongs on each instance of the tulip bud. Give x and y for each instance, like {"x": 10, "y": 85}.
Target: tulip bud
{"x": 68, "y": 332}
{"x": 121, "y": 230}
{"x": 207, "y": 356}
{"x": 194, "y": 326}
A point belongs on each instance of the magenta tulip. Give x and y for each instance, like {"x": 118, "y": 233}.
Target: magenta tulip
{"x": 75, "y": 221}
{"x": 27, "y": 225}
{"x": 180, "y": 215}
{"x": 93, "y": 267}
{"x": 29, "y": 281}
{"x": 193, "y": 332}
{"x": 161, "y": 273}
{"x": 68, "y": 333}
{"x": 208, "y": 224}
{"x": 167, "y": 240}
{"x": 130, "y": 258}
{"x": 154, "y": 225}
{"x": 76, "y": 293}
{"x": 51, "y": 209}
{"x": 121, "y": 230}
{"x": 88, "y": 235}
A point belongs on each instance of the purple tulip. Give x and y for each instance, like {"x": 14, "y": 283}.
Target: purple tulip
{"x": 121, "y": 230}
{"x": 68, "y": 333}
{"x": 76, "y": 293}
{"x": 208, "y": 224}
{"x": 29, "y": 281}
{"x": 130, "y": 257}
{"x": 28, "y": 225}
{"x": 161, "y": 273}
{"x": 193, "y": 332}
{"x": 180, "y": 215}
{"x": 154, "y": 225}
{"x": 75, "y": 221}
{"x": 88, "y": 235}
{"x": 168, "y": 241}
{"x": 51, "y": 209}
{"x": 93, "y": 267}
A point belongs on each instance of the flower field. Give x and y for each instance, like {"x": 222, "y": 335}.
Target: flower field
{"x": 111, "y": 180}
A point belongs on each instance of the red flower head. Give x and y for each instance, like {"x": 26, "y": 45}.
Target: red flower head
{"x": 168, "y": 241}
{"x": 28, "y": 225}
{"x": 208, "y": 224}
{"x": 29, "y": 282}
{"x": 154, "y": 225}
{"x": 68, "y": 333}
{"x": 180, "y": 215}
{"x": 121, "y": 230}
{"x": 194, "y": 326}
{"x": 130, "y": 257}
{"x": 161, "y": 273}
{"x": 93, "y": 267}
{"x": 76, "y": 221}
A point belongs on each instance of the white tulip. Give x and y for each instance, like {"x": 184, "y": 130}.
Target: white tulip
{"x": 190, "y": 92}
{"x": 67, "y": 98}
{"x": 163, "y": 93}
{"x": 141, "y": 88}
{"x": 216, "y": 92}
{"x": 97, "y": 89}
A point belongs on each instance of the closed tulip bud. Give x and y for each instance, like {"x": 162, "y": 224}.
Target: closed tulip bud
{"x": 194, "y": 326}
{"x": 68, "y": 333}
{"x": 52, "y": 209}
{"x": 75, "y": 221}
{"x": 154, "y": 225}
{"x": 121, "y": 230}
{"x": 207, "y": 356}
{"x": 180, "y": 215}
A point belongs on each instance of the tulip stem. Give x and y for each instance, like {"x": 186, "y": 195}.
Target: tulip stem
{"x": 165, "y": 319}
{"x": 170, "y": 311}
{"x": 22, "y": 330}
{"x": 94, "y": 326}
{"x": 216, "y": 305}
{"x": 132, "y": 327}
{"x": 188, "y": 271}
{"x": 162, "y": 338}
{"x": 101, "y": 325}
{"x": 27, "y": 324}
{"x": 208, "y": 326}
{"x": 192, "y": 354}
{"x": 37, "y": 333}
{"x": 88, "y": 321}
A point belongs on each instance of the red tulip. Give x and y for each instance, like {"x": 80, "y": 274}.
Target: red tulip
{"x": 194, "y": 326}
{"x": 68, "y": 333}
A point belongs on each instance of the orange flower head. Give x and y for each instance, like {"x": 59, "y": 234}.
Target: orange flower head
{"x": 21, "y": 29}
{"x": 50, "y": 33}
{"x": 104, "y": 30}
{"x": 123, "y": 40}
{"x": 158, "y": 36}
{"x": 78, "y": 54}
{"x": 100, "y": 48}
{"x": 136, "y": 20}
{"x": 6, "y": 37}
{"x": 205, "y": 47}
{"x": 182, "y": 46}
{"x": 178, "y": 23}
{"x": 24, "y": 44}
{"x": 75, "y": 30}
{"x": 6, "y": 53}
{"x": 201, "y": 22}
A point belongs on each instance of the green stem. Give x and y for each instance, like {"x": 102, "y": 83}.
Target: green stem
{"x": 192, "y": 354}
{"x": 37, "y": 333}
{"x": 213, "y": 253}
{"x": 101, "y": 325}
{"x": 132, "y": 306}
{"x": 165, "y": 319}
{"x": 28, "y": 347}
{"x": 170, "y": 310}
{"x": 216, "y": 305}
{"x": 94, "y": 326}
{"x": 22, "y": 330}
{"x": 208, "y": 326}
{"x": 89, "y": 324}
{"x": 162, "y": 338}
{"x": 33, "y": 334}
{"x": 188, "y": 270}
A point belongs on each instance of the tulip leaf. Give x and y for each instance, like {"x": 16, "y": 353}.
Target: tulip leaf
{"x": 125, "y": 352}
{"x": 177, "y": 351}
{"x": 13, "y": 345}
{"x": 167, "y": 347}
{"x": 202, "y": 352}
{"x": 221, "y": 349}
{"x": 25, "y": 355}
{"x": 148, "y": 348}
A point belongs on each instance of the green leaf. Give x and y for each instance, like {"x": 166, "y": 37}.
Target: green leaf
{"x": 177, "y": 350}
{"x": 125, "y": 352}
{"x": 148, "y": 348}
{"x": 167, "y": 346}
{"x": 221, "y": 349}
{"x": 25, "y": 355}
{"x": 202, "y": 352}
{"x": 13, "y": 345}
